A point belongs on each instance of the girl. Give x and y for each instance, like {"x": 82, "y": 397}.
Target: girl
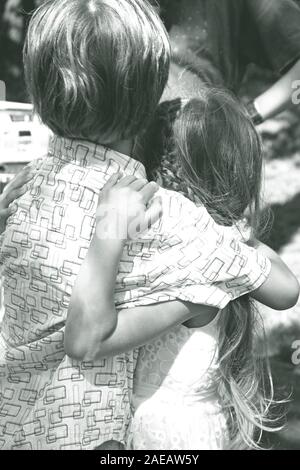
{"x": 198, "y": 386}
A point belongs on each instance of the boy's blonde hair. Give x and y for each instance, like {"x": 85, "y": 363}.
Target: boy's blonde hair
{"x": 96, "y": 69}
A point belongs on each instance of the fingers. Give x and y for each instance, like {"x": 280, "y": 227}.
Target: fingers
{"x": 24, "y": 176}
{"x": 5, "y": 213}
{"x": 145, "y": 190}
{"x": 126, "y": 181}
{"x": 112, "y": 181}
{"x": 9, "y": 196}
{"x": 138, "y": 184}
{"x": 16, "y": 187}
{"x": 152, "y": 215}
{"x": 148, "y": 191}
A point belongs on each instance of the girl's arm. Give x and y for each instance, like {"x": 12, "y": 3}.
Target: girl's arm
{"x": 122, "y": 213}
{"x": 87, "y": 336}
{"x": 94, "y": 328}
{"x": 134, "y": 327}
{"x": 281, "y": 289}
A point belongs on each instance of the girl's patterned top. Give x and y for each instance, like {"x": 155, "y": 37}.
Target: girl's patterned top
{"x": 175, "y": 397}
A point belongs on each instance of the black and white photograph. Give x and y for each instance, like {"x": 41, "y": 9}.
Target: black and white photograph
{"x": 149, "y": 227}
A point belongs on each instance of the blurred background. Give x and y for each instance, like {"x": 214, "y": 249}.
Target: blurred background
{"x": 281, "y": 138}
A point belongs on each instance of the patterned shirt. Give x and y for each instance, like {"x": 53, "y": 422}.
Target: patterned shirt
{"x": 47, "y": 400}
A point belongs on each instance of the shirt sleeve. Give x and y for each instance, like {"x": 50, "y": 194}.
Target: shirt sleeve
{"x": 204, "y": 262}
{"x": 271, "y": 33}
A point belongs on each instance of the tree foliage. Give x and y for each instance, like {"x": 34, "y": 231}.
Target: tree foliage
{"x": 14, "y": 15}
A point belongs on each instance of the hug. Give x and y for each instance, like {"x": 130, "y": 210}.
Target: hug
{"x": 130, "y": 308}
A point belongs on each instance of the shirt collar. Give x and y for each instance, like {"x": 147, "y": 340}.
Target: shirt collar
{"x": 85, "y": 153}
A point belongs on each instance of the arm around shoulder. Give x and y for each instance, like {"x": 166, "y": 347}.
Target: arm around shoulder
{"x": 280, "y": 290}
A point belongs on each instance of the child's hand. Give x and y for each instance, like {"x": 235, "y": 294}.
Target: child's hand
{"x": 12, "y": 191}
{"x": 127, "y": 208}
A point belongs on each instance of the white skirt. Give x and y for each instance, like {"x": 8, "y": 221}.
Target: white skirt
{"x": 165, "y": 424}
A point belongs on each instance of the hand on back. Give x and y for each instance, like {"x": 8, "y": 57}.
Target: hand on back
{"x": 127, "y": 207}
{"x": 12, "y": 191}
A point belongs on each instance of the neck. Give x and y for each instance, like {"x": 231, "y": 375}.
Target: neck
{"x": 122, "y": 146}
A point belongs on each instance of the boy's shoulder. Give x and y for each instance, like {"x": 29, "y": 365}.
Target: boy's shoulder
{"x": 182, "y": 218}
{"x": 180, "y": 212}
{"x": 174, "y": 202}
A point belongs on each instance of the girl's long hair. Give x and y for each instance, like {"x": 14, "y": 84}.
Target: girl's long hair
{"x": 212, "y": 154}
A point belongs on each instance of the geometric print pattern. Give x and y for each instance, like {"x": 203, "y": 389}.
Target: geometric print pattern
{"x": 47, "y": 400}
